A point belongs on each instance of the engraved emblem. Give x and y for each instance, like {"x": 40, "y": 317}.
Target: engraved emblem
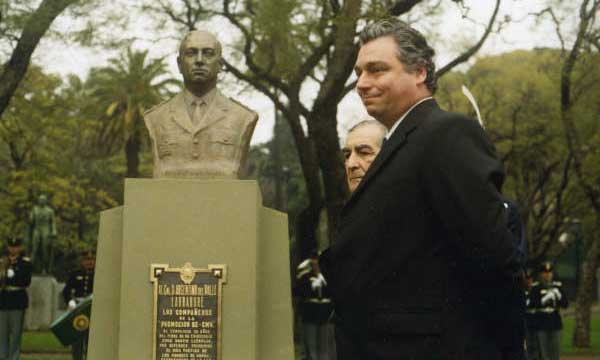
{"x": 81, "y": 322}
{"x": 187, "y": 273}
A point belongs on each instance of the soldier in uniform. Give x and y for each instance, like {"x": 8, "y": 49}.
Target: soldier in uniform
{"x": 315, "y": 309}
{"x": 531, "y": 321}
{"x": 15, "y": 277}
{"x": 199, "y": 132}
{"x": 80, "y": 285}
{"x": 546, "y": 299}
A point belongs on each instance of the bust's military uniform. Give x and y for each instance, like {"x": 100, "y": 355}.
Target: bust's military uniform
{"x": 213, "y": 147}
{"x": 546, "y": 299}
{"x": 15, "y": 278}
{"x": 79, "y": 285}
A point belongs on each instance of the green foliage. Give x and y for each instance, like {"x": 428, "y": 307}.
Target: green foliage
{"x": 276, "y": 164}
{"x": 45, "y": 148}
{"x": 519, "y": 98}
{"x": 14, "y": 15}
{"x": 121, "y": 92}
{"x": 566, "y": 346}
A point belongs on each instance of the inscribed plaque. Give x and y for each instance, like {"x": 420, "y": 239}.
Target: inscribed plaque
{"x": 187, "y": 312}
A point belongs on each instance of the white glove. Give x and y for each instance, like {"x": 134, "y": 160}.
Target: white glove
{"x": 557, "y": 294}
{"x": 10, "y": 273}
{"x": 303, "y": 269}
{"x": 72, "y": 304}
{"x": 550, "y": 296}
{"x": 317, "y": 282}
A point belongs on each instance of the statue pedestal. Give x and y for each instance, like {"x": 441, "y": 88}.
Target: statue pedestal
{"x": 202, "y": 222}
{"x": 45, "y": 296}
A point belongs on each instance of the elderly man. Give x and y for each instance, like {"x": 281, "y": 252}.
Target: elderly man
{"x": 363, "y": 143}
{"x": 426, "y": 226}
{"x": 199, "y": 133}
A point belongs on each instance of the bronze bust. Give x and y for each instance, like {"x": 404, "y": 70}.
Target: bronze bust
{"x": 199, "y": 133}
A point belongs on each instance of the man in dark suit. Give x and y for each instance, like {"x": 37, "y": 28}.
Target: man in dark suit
{"x": 426, "y": 227}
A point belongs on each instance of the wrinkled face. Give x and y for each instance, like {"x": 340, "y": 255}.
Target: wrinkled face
{"x": 199, "y": 59}
{"x": 362, "y": 146}
{"x": 385, "y": 87}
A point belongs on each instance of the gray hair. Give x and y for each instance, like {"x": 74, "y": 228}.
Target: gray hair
{"x": 412, "y": 48}
{"x": 365, "y": 123}
{"x": 187, "y": 35}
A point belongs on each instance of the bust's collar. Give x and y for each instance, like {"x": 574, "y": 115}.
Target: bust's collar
{"x": 192, "y": 99}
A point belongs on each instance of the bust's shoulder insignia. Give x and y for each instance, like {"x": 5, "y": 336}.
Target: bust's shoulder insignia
{"x": 26, "y": 258}
{"x": 535, "y": 283}
{"x": 156, "y": 107}
{"x": 242, "y": 106}
{"x": 557, "y": 283}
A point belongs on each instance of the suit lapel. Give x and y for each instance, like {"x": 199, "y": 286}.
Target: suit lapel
{"x": 393, "y": 144}
{"x": 179, "y": 114}
{"x": 216, "y": 112}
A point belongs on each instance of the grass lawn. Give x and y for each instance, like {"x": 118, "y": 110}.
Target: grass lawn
{"x": 567, "y": 337}
{"x": 45, "y": 357}
{"x": 41, "y": 342}
{"x": 45, "y": 342}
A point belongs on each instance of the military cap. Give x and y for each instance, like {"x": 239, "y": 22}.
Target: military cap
{"x": 546, "y": 266}
{"x": 15, "y": 241}
{"x": 88, "y": 253}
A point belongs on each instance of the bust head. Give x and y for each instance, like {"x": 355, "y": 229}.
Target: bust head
{"x": 199, "y": 61}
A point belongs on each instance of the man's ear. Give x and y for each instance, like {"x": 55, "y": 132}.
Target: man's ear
{"x": 421, "y": 73}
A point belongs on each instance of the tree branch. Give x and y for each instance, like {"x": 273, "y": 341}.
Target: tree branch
{"x": 470, "y": 52}
{"x": 36, "y": 26}
{"x": 402, "y": 7}
{"x": 556, "y": 22}
{"x": 248, "y": 39}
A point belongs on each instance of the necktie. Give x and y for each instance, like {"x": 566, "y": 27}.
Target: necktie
{"x": 198, "y": 112}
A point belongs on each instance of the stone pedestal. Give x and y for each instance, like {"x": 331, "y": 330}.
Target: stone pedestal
{"x": 202, "y": 222}
{"x": 44, "y": 302}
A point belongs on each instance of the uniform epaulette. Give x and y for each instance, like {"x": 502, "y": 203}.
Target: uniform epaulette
{"x": 535, "y": 283}
{"x": 26, "y": 258}
{"x": 241, "y": 105}
{"x": 155, "y": 107}
{"x": 557, "y": 283}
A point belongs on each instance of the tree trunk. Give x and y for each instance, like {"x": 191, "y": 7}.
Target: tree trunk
{"x": 308, "y": 221}
{"x": 36, "y": 26}
{"x": 280, "y": 174}
{"x": 581, "y": 338}
{"x": 585, "y": 293}
{"x": 330, "y": 161}
{"x": 322, "y": 123}
{"x": 132, "y": 154}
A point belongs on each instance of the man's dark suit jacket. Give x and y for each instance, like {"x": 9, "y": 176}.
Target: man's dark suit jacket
{"x": 419, "y": 240}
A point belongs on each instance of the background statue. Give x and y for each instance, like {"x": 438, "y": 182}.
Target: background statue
{"x": 42, "y": 234}
{"x": 199, "y": 133}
